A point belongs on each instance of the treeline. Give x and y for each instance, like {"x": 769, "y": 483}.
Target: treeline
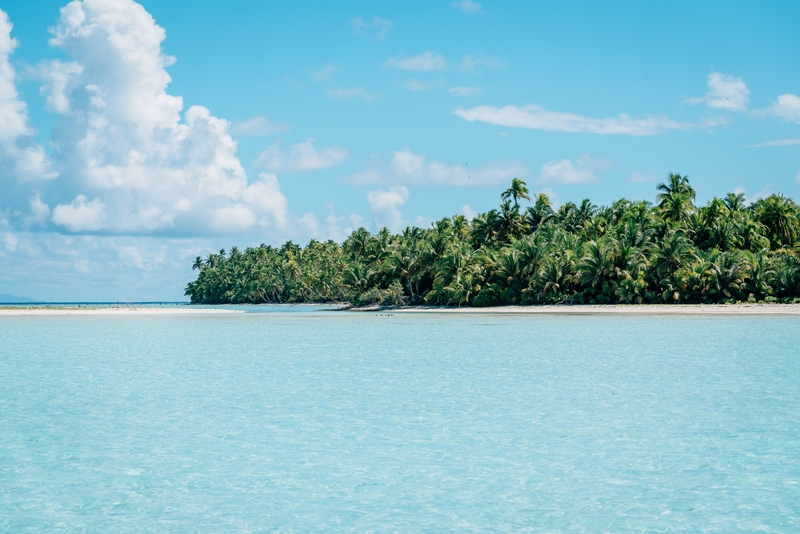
{"x": 628, "y": 252}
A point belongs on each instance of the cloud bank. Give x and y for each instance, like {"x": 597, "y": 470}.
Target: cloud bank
{"x": 20, "y": 157}
{"x": 130, "y": 159}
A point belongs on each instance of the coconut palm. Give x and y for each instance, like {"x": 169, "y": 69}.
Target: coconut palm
{"x": 517, "y": 191}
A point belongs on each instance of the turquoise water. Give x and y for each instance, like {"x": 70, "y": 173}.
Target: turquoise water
{"x": 411, "y": 423}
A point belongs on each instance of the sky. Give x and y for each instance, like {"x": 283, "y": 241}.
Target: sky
{"x": 137, "y": 136}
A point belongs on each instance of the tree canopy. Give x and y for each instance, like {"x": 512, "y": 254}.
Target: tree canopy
{"x": 628, "y": 252}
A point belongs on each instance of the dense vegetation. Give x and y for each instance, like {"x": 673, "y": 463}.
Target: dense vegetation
{"x": 628, "y": 252}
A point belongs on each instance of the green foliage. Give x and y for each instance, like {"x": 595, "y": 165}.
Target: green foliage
{"x": 629, "y": 252}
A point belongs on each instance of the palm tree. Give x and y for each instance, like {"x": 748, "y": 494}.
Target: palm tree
{"x": 676, "y": 197}
{"x": 675, "y": 185}
{"x": 626, "y": 252}
{"x": 779, "y": 215}
{"x": 517, "y": 190}
{"x": 540, "y": 212}
{"x": 734, "y": 201}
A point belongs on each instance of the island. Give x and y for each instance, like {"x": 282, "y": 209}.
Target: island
{"x": 631, "y": 252}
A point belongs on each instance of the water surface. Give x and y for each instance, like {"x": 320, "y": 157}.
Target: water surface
{"x": 281, "y": 421}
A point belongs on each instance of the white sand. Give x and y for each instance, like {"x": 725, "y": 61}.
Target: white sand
{"x": 113, "y": 311}
{"x": 623, "y": 309}
{"x": 612, "y": 309}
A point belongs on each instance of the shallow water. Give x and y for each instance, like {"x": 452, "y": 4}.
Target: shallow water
{"x": 435, "y": 423}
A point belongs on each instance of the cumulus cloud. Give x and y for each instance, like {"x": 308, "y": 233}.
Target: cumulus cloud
{"x": 427, "y": 61}
{"x": 338, "y": 228}
{"x": 40, "y": 211}
{"x": 468, "y": 212}
{"x": 20, "y": 156}
{"x": 130, "y": 160}
{"x": 787, "y": 108}
{"x": 468, "y": 6}
{"x": 376, "y": 28}
{"x": 260, "y": 125}
{"x": 567, "y": 172}
{"x": 340, "y": 93}
{"x": 406, "y": 167}
{"x": 724, "y": 92}
{"x": 300, "y": 157}
{"x": 80, "y": 215}
{"x": 385, "y": 204}
{"x": 537, "y": 118}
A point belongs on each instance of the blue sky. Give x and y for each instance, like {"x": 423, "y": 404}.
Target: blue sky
{"x": 138, "y": 136}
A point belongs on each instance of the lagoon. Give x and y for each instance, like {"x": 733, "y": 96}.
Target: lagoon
{"x": 287, "y": 420}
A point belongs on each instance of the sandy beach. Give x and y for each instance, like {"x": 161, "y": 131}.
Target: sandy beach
{"x": 113, "y": 310}
{"x": 622, "y": 309}
{"x": 587, "y": 309}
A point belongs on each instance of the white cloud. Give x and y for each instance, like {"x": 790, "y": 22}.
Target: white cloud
{"x": 20, "y": 156}
{"x": 375, "y": 28}
{"x": 724, "y": 92}
{"x": 260, "y": 125}
{"x": 431, "y": 61}
{"x": 10, "y": 241}
{"x": 386, "y": 204}
{"x": 299, "y": 157}
{"x": 468, "y": 6}
{"x": 416, "y": 86}
{"x": 122, "y": 141}
{"x": 40, "y": 211}
{"x": 60, "y": 79}
{"x": 80, "y": 215}
{"x": 339, "y": 93}
{"x": 473, "y": 63}
{"x": 537, "y": 118}
{"x": 427, "y": 61}
{"x": 325, "y": 73}
{"x": 468, "y": 212}
{"x": 338, "y": 228}
{"x": 407, "y": 167}
{"x": 750, "y": 199}
{"x": 568, "y": 173}
{"x": 466, "y": 91}
{"x": 787, "y": 108}
{"x": 779, "y": 142}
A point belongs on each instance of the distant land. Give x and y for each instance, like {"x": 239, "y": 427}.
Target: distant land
{"x": 6, "y": 298}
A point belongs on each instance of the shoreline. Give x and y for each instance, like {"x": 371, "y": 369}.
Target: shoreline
{"x": 575, "y": 309}
{"x": 7, "y": 312}
{"x": 606, "y": 309}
